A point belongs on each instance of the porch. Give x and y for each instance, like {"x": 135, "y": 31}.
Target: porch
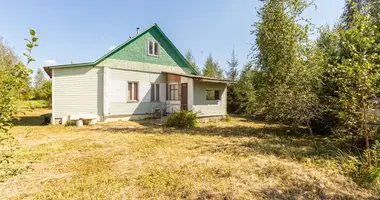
{"x": 204, "y": 95}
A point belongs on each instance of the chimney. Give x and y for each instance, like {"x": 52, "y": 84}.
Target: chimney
{"x": 138, "y": 30}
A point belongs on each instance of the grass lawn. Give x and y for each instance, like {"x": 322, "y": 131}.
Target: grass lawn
{"x": 240, "y": 159}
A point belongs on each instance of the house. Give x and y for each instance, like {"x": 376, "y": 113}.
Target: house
{"x": 143, "y": 75}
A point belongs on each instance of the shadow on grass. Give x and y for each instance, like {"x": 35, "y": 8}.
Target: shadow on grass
{"x": 37, "y": 120}
{"x": 245, "y": 140}
{"x": 266, "y": 140}
{"x": 308, "y": 192}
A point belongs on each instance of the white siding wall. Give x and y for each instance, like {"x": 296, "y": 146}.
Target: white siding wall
{"x": 209, "y": 107}
{"x": 117, "y": 91}
{"x": 77, "y": 90}
{"x": 80, "y": 90}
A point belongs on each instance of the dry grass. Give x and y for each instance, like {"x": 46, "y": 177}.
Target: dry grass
{"x": 128, "y": 160}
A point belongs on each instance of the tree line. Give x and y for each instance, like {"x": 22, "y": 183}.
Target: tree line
{"x": 34, "y": 88}
{"x": 14, "y": 83}
{"x": 329, "y": 85}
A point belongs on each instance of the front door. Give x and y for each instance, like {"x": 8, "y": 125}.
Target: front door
{"x": 184, "y": 96}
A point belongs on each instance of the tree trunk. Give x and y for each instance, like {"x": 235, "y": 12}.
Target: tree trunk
{"x": 366, "y": 132}
{"x": 311, "y": 133}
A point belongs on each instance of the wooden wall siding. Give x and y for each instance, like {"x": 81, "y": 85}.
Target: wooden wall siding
{"x": 118, "y": 80}
{"x": 209, "y": 107}
{"x": 173, "y": 78}
{"x": 78, "y": 90}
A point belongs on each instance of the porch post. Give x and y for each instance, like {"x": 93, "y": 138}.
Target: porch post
{"x": 190, "y": 94}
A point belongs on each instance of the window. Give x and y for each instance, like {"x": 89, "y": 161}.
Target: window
{"x": 153, "y": 48}
{"x": 155, "y": 92}
{"x": 133, "y": 91}
{"x": 212, "y": 94}
{"x": 173, "y": 92}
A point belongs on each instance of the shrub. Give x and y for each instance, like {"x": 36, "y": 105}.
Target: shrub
{"x": 367, "y": 176}
{"x": 182, "y": 119}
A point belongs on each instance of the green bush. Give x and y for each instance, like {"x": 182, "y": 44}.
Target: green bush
{"x": 182, "y": 119}
{"x": 367, "y": 176}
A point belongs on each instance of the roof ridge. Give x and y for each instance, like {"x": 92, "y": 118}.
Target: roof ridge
{"x": 97, "y": 61}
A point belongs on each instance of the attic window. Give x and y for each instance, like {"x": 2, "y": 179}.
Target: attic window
{"x": 153, "y": 48}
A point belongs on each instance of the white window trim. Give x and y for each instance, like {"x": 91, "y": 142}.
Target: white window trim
{"x": 154, "y": 42}
{"x": 133, "y": 99}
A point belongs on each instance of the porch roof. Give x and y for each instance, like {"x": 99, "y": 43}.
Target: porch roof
{"x": 203, "y": 78}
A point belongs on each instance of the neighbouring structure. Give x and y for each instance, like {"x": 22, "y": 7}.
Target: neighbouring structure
{"x": 143, "y": 75}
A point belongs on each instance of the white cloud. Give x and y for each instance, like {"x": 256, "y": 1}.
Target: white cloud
{"x": 111, "y": 47}
{"x": 50, "y": 62}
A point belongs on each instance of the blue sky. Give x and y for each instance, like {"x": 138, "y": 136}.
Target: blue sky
{"x": 82, "y": 31}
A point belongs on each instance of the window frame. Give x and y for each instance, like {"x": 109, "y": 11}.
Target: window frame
{"x": 155, "y": 44}
{"x": 176, "y": 91}
{"x": 134, "y": 92}
{"x": 155, "y": 92}
{"x": 215, "y": 97}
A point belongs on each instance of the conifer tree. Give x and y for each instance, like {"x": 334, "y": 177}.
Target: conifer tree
{"x": 212, "y": 68}
{"x": 233, "y": 64}
{"x": 232, "y": 74}
{"x": 190, "y": 58}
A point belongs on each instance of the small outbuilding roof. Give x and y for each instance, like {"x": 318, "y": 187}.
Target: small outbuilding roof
{"x": 203, "y": 78}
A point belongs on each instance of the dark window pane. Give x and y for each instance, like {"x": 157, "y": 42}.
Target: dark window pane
{"x": 152, "y": 92}
{"x": 129, "y": 91}
{"x": 173, "y": 91}
{"x": 157, "y": 92}
{"x": 150, "y": 48}
{"x": 212, "y": 94}
{"x": 217, "y": 95}
{"x": 136, "y": 90}
{"x": 156, "y": 48}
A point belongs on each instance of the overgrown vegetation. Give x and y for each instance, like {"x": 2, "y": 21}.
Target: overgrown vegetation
{"x": 367, "y": 176}
{"x": 42, "y": 88}
{"x": 330, "y": 85}
{"x": 182, "y": 119}
{"x": 14, "y": 76}
{"x": 239, "y": 159}
{"x": 321, "y": 95}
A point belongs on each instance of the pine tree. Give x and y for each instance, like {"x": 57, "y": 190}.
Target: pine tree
{"x": 190, "y": 58}
{"x": 245, "y": 90}
{"x": 232, "y": 74}
{"x": 328, "y": 43}
{"x": 212, "y": 68}
{"x": 233, "y": 64}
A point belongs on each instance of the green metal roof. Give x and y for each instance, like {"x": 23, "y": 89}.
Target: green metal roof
{"x": 48, "y": 68}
